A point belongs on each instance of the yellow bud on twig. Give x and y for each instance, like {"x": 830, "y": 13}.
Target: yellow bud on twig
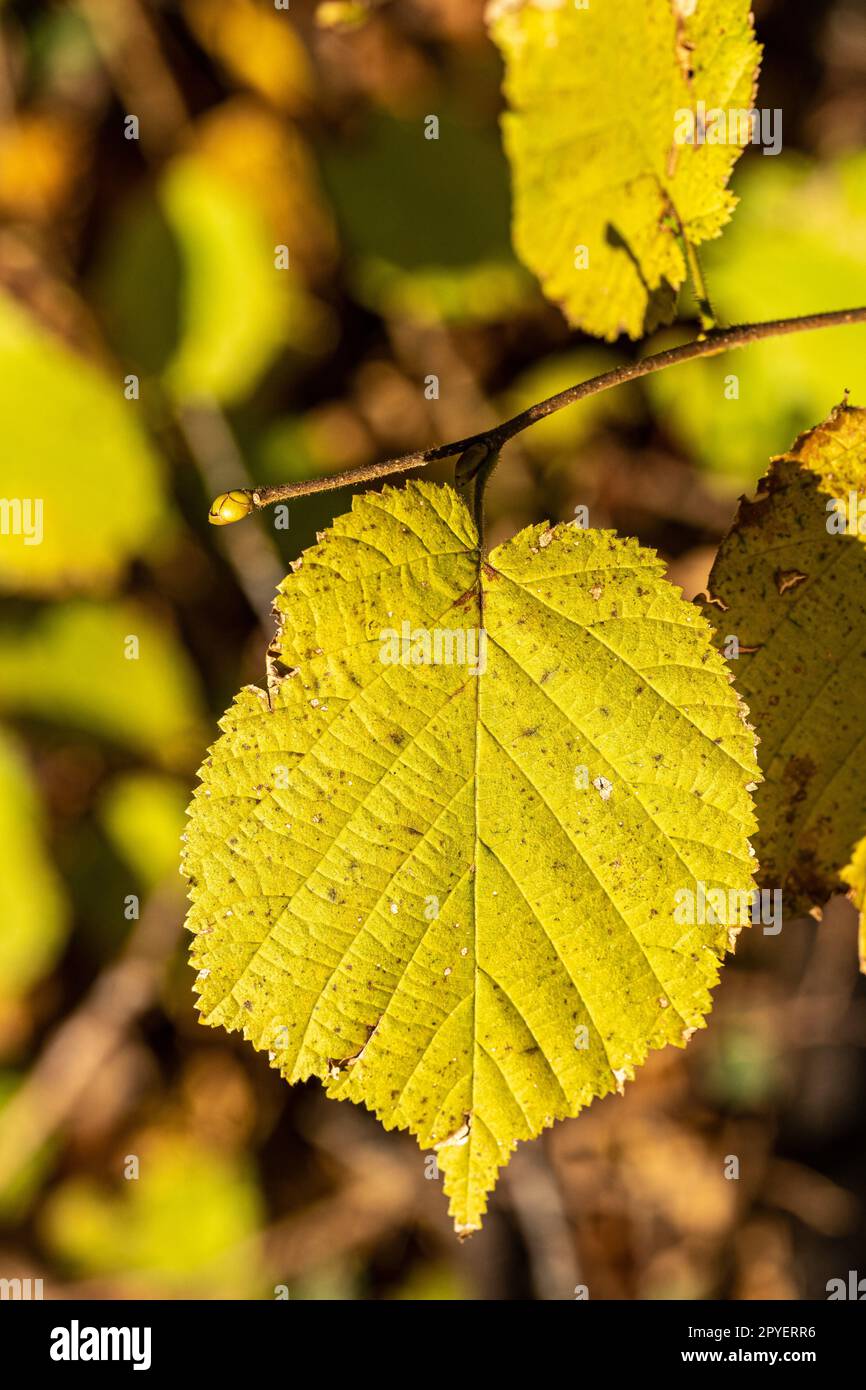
{"x": 229, "y": 507}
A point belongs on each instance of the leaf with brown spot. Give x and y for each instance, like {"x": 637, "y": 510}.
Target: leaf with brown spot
{"x": 792, "y": 587}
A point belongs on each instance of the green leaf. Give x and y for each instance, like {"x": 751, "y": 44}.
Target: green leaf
{"x": 238, "y": 310}
{"x": 143, "y": 815}
{"x": 793, "y": 593}
{"x": 75, "y": 446}
{"x": 426, "y": 260}
{"x": 74, "y": 665}
{"x": 32, "y": 909}
{"x": 171, "y": 1230}
{"x": 596, "y": 95}
{"x": 451, "y": 895}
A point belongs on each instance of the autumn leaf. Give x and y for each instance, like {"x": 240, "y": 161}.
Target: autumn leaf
{"x": 449, "y": 887}
{"x": 606, "y": 186}
{"x": 789, "y": 584}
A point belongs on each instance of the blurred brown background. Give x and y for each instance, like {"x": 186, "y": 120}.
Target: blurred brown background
{"x": 150, "y": 356}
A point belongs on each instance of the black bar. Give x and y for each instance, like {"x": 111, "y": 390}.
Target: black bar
{"x": 237, "y": 1342}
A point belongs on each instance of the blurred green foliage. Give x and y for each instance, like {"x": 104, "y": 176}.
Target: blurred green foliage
{"x": 71, "y": 439}
{"x": 143, "y": 813}
{"x": 413, "y": 250}
{"x": 33, "y": 910}
{"x": 237, "y": 309}
{"x": 179, "y": 1221}
{"x": 110, "y": 668}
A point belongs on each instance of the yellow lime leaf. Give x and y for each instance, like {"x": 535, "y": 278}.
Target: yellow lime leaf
{"x": 789, "y": 584}
{"x": 80, "y": 492}
{"x": 112, "y": 669}
{"x": 147, "y": 1230}
{"x": 143, "y": 815}
{"x": 32, "y": 909}
{"x": 238, "y": 307}
{"x": 604, "y": 187}
{"x": 448, "y": 876}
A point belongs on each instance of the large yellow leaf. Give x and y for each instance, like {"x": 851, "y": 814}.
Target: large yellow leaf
{"x": 602, "y": 186}
{"x": 789, "y": 583}
{"x": 449, "y": 888}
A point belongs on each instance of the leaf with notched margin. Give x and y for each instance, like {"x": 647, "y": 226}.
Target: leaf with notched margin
{"x": 448, "y": 889}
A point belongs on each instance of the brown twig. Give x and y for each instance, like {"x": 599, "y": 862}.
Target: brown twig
{"x": 711, "y": 345}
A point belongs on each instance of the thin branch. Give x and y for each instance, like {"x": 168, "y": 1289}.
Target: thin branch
{"x": 245, "y": 500}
